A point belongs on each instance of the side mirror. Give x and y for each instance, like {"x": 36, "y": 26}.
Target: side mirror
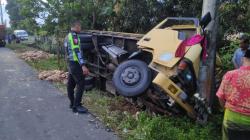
{"x": 205, "y": 20}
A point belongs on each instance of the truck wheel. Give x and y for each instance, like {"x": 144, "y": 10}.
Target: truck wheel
{"x": 89, "y": 83}
{"x": 132, "y": 78}
{"x": 2, "y": 43}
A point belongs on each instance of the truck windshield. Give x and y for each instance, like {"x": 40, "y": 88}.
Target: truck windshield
{"x": 180, "y": 22}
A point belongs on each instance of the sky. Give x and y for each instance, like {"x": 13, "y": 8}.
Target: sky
{"x": 4, "y": 1}
{"x": 5, "y": 15}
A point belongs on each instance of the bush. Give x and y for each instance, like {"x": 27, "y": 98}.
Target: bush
{"x": 226, "y": 54}
{"x": 169, "y": 128}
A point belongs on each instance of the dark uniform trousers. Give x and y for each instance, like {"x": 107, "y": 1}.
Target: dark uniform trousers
{"x": 75, "y": 79}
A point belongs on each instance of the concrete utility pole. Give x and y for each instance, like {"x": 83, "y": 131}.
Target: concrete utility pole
{"x": 210, "y": 6}
{"x": 207, "y": 71}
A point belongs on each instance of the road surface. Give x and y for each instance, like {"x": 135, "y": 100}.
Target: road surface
{"x": 31, "y": 109}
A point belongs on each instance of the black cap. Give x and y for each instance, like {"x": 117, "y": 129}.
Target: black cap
{"x": 247, "y": 54}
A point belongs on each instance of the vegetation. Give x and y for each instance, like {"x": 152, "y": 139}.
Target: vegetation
{"x": 14, "y": 11}
{"x": 226, "y": 54}
{"x": 19, "y": 48}
{"x": 46, "y": 64}
{"x": 54, "y": 16}
{"x": 239, "y": 11}
{"x": 146, "y": 127}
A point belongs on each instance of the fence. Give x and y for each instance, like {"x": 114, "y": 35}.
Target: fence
{"x": 49, "y": 44}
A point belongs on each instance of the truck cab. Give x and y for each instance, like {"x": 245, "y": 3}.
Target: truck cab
{"x": 169, "y": 81}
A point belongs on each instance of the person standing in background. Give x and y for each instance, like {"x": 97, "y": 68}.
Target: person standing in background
{"x": 239, "y": 53}
{"x": 234, "y": 96}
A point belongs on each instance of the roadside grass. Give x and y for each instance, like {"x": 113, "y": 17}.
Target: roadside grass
{"x": 118, "y": 114}
{"x": 51, "y": 63}
{"x": 48, "y": 64}
{"x": 19, "y": 48}
{"x": 142, "y": 126}
{"x": 172, "y": 128}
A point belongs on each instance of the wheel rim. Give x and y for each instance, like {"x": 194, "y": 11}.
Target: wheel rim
{"x": 131, "y": 76}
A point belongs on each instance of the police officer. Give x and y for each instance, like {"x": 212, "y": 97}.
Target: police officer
{"x": 76, "y": 67}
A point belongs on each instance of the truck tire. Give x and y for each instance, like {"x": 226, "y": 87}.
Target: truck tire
{"x": 132, "y": 78}
{"x": 89, "y": 83}
{"x": 2, "y": 43}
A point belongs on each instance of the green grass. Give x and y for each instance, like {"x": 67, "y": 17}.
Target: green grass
{"x": 48, "y": 64}
{"x": 18, "y": 48}
{"x": 172, "y": 128}
{"x": 147, "y": 127}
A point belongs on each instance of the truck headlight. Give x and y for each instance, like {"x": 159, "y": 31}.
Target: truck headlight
{"x": 189, "y": 77}
{"x": 186, "y": 76}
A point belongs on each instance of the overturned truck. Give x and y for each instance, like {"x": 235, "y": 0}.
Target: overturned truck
{"x": 153, "y": 70}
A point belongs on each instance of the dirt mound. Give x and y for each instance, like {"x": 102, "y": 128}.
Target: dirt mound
{"x": 34, "y": 55}
{"x": 54, "y": 76}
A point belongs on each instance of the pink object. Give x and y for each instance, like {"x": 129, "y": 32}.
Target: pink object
{"x": 75, "y": 41}
{"x": 180, "y": 52}
{"x": 235, "y": 90}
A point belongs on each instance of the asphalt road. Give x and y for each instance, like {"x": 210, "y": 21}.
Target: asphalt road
{"x": 31, "y": 109}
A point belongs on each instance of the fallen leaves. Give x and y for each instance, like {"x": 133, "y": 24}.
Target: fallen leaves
{"x": 54, "y": 76}
{"x": 34, "y": 55}
{"x": 49, "y": 75}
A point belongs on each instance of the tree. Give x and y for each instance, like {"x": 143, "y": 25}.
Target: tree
{"x": 13, "y": 9}
{"x": 31, "y": 11}
{"x": 116, "y": 15}
{"x": 141, "y": 16}
{"x": 236, "y": 11}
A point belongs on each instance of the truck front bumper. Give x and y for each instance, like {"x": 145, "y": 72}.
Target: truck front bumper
{"x": 172, "y": 90}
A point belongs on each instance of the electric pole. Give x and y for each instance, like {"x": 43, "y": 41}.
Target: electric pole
{"x": 210, "y": 6}
{"x": 207, "y": 71}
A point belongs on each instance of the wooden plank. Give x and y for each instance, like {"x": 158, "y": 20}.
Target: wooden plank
{"x": 114, "y": 34}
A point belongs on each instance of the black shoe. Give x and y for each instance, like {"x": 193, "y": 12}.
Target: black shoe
{"x": 80, "y": 109}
